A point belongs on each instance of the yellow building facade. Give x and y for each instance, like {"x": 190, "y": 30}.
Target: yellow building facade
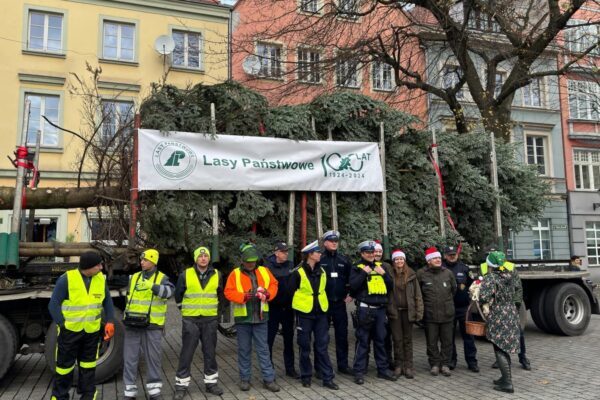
{"x": 45, "y": 44}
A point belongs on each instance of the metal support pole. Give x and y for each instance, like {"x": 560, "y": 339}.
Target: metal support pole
{"x": 36, "y": 162}
{"x": 334, "y": 215}
{"x": 134, "y": 183}
{"x": 15, "y": 225}
{"x": 303, "y": 221}
{"x": 384, "y": 216}
{"x": 215, "y": 207}
{"x": 497, "y": 213}
{"x": 439, "y": 196}
{"x": 290, "y": 227}
{"x": 318, "y": 211}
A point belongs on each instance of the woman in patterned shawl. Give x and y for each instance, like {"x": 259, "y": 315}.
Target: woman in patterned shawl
{"x": 498, "y": 289}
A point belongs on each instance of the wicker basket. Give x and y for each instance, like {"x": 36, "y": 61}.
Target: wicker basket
{"x": 475, "y": 328}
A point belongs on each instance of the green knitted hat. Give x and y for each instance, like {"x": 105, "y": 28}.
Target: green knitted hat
{"x": 496, "y": 259}
{"x": 248, "y": 253}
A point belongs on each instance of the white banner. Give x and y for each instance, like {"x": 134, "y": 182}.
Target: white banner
{"x": 194, "y": 161}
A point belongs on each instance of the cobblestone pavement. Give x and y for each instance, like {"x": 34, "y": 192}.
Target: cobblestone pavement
{"x": 563, "y": 368}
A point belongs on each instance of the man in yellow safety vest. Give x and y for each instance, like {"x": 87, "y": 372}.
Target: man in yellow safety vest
{"x": 198, "y": 293}
{"x": 145, "y": 315}
{"x": 76, "y": 306}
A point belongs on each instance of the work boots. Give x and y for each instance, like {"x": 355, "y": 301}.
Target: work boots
{"x": 215, "y": 389}
{"x": 179, "y": 394}
{"x": 505, "y": 382}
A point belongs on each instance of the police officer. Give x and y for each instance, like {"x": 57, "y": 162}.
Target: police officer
{"x": 145, "y": 315}
{"x": 280, "y": 309}
{"x": 307, "y": 284}
{"x": 438, "y": 288}
{"x": 76, "y": 306}
{"x": 370, "y": 283}
{"x": 337, "y": 266}
{"x": 388, "y": 337}
{"x": 461, "y": 303}
{"x": 198, "y": 293}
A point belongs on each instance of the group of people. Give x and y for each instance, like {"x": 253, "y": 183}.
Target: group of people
{"x": 279, "y": 298}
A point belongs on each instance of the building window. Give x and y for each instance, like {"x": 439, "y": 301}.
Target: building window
{"x": 587, "y": 169}
{"x": 498, "y": 83}
{"x": 43, "y": 105}
{"x": 45, "y": 32}
{"x": 542, "y": 244}
{"x": 580, "y": 38}
{"x": 347, "y": 73}
{"x": 188, "y": 49}
{"x": 584, "y": 100}
{"x": 270, "y": 60}
{"x": 531, "y": 93}
{"x": 116, "y": 117}
{"x": 310, "y": 6}
{"x": 382, "y": 76}
{"x": 592, "y": 235}
{"x": 481, "y": 21}
{"x": 510, "y": 249}
{"x": 348, "y": 8}
{"x": 118, "y": 41}
{"x": 451, "y": 76}
{"x": 536, "y": 153}
{"x": 308, "y": 66}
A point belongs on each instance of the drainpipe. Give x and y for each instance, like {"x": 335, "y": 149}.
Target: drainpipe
{"x": 229, "y": 44}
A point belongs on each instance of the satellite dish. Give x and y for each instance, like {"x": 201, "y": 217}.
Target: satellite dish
{"x": 251, "y": 65}
{"x": 164, "y": 45}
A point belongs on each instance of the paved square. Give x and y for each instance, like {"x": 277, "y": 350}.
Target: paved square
{"x": 563, "y": 368}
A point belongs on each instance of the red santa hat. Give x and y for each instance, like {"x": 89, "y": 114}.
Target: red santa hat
{"x": 398, "y": 253}
{"x": 378, "y": 245}
{"x": 432, "y": 253}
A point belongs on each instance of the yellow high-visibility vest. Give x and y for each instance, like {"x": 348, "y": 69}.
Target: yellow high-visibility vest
{"x": 303, "y": 299}
{"x": 83, "y": 309}
{"x": 197, "y": 301}
{"x": 507, "y": 265}
{"x": 140, "y": 301}
{"x": 239, "y": 310}
{"x": 375, "y": 282}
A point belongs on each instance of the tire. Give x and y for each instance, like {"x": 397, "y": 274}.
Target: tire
{"x": 567, "y": 309}
{"x": 537, "y": 310}
{"x": 9, "y": 344}
{"x": 110, "y": 360}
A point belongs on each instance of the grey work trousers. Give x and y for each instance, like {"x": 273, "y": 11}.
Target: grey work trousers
{"x": 194, "y": 329}
{"x": 149, "y": 342}
{"x": 439, "y": 332}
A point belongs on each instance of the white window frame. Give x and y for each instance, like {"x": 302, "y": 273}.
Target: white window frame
{"x": 580, "y": 38}
{"x": 594, "y": 256}
{"x": 499, "y": 82}
{"x": 186, "y": 49}
{"x": 348, "y": 12}
{"x": 587, "y": 167}
{"x": 268, "y": 62}
{"x": 315, "y": 6}
{"x": 120, "y": 25}
{"x": 483, "y": 22}
{"x": 342, "y": 67}
{"x": 584, "y": 100}
{"x": 309, "y": 67}
{"x": 46, "y": 15}
{"x": 42, "y": 122}
{"x": 541, "y": 92}
{"x": 452, "y": 71}
{"x": 537, "y": 236}
{"x": 378, "y": 68}
{"x": 116, "y": 119}
{"x": 546, "y": 149}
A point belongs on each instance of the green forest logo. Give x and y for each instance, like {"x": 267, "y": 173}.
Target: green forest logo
{"x": 174, "y": 160}
{"x": 344, "y": 166}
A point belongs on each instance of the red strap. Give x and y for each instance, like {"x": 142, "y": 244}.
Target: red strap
{"x": 438, "y": 172}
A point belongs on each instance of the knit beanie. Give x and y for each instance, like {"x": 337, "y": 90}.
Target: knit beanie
{"x": 89, "y": 259}
{"x": 248, "y": 253}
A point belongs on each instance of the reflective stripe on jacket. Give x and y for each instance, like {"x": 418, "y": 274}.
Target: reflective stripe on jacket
{"x": 303, "y": 300}
{"x": 197, "y": 301}
{"x": 83, "y": 309}
{"x": 140, "y": 301}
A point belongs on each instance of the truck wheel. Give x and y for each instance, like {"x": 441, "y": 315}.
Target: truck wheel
{"x": 110, "y": 359}
{"x": 567, "y": 309}
{"x": 537, "y": 310}
{"x": 8, "y": 342}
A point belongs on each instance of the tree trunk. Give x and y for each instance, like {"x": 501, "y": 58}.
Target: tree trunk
{"x": 61, "y": 197}
{"x": 497, "y": 119}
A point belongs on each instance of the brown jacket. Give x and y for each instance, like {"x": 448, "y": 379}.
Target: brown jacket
{"x": 413, "y": 297}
